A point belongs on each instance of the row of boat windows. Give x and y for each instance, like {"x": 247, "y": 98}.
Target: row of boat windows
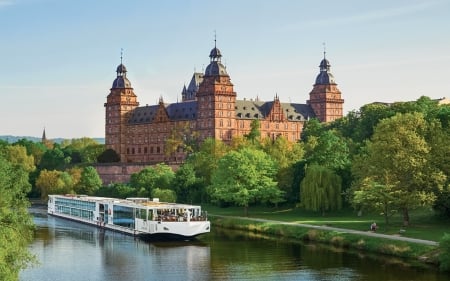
{"x": 79, "y": 204}
{"x": 85, "y": 214}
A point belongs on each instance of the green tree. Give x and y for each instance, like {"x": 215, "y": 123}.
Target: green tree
{"x": 329, "y": 150}
{"x": 17, "y": 155}
{"x": 320, "y": 190}
{"x": 50, "y": 182}
{"x": 16, "y": 225}
{"x": 186, "y": 185}
{"x": 205, "y": 161}
{"x": 399, "y": 152}
{"x": 54, "y": 159}
{"x": 159, "y": 176}
{"x": 245, "y": 177}
{"x": 380, "y": 198}
{"x": 164, "y": 195}
{"x": 255, "y": 132}
{"x": 90, "y": 181}
{"x": 285, "y": 154}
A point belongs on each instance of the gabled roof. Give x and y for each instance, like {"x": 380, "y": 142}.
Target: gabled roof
{"x": 249, "y": 109}
{"x": 176, "y": 111}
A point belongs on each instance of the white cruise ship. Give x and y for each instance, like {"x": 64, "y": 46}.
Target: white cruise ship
{"x": 135, "y": 216}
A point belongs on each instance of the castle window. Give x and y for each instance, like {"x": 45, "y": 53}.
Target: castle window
{"x": 132, "y": 151}
{"x": 158, "y": 150}
{"x": 128, "y": 150}
{"x": 220, "y": 123}
{"x": 145, "y": 150}
{"x": 139, "y": 150}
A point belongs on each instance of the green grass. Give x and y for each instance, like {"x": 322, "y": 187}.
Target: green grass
{"x": 424, "y": 224}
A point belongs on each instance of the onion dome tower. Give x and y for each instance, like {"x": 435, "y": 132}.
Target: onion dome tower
{"x": 325, "y": 98}
{"x": 216, "y": 100}
{"x": 120, "y": 102}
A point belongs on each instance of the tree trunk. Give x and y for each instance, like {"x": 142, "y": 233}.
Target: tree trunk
{"x": 405, "y": 217}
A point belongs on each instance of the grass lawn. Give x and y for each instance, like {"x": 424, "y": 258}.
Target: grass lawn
{"x": 424, "y": 224}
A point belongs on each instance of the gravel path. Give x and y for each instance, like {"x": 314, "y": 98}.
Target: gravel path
{"x": 343, "y": 230}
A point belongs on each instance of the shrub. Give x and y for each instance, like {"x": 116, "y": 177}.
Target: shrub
{"x": 444, "y": 256}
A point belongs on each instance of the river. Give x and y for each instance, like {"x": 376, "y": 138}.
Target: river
{"x": 70, "y": 251}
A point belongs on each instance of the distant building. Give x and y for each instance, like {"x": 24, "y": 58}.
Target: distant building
{"x": 209, "y": 109}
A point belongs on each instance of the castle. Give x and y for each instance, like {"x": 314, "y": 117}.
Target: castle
{"x": 209, "y": 109}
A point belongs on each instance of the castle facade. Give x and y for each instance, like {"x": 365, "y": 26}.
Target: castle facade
{"x": 209, "y": 109}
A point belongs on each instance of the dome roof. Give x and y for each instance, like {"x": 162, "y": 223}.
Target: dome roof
{"x": 325, "y": 77}
{"x": 215, "y": 68}
{"x": 215, "y": 53}
{"x": 121, "y": 80}
{"x": 121, "y": 68}
{"x": 324, "y": 64}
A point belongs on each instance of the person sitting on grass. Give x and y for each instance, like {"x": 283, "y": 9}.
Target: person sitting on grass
{"x": 373, "y": 227}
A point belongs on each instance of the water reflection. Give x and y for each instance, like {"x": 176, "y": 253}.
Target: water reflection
{"x": 72, "y": 251}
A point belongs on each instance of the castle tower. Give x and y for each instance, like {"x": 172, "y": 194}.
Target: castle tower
{"x": 119, "y": 103}
{"x": 325, "y": 98}
{"x": 216, "y": 101}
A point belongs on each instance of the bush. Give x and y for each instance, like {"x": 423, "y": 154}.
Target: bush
{"x": 444, "y": 256}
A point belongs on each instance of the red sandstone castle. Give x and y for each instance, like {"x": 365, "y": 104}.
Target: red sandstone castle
{"x": 209, "y": 109}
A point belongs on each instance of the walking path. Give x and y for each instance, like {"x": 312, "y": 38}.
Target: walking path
{"x": 343, "y": 230}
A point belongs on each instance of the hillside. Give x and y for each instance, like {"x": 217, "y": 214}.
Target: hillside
{"x": 13, "y": 139}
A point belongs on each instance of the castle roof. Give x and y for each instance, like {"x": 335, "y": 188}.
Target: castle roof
{"x": 249, "y": 109}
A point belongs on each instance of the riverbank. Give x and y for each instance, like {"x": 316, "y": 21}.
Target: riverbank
{"x": 422, "y": 251}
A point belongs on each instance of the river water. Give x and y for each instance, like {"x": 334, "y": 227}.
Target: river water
{"x": 70, "y": 251}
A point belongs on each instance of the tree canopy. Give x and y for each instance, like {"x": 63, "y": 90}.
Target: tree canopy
{"x": 245, "y": 177}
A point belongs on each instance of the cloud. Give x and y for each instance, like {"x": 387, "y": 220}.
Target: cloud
{"x": 6, "y": 3}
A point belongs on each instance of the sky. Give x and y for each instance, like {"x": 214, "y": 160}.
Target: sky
{"x": 59, "y": 56}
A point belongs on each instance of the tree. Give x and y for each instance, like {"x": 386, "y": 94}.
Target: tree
{"x": 159, "y": 176}
{"x": 108, "y": 156}
{"x": 205, "y": 161}
{"x": 17, "y": 155}
{"x": 164, "y": 195}
{"x": 54, "y": 159}
{"x": 186, "y": 185}
{"x": 16, "y": 224}
{"x": 50, "y": 182}
{"x": 285, "y": 154}
{"x": 90, "y": 181}
{"x": 245, "y": 177}
{"x": 328, "y": 149}
{"x": 399, "y": 152}
{"x": 320, "y": 190}
{"x": 372, "y": 196}
{"x": 255, "y": 132}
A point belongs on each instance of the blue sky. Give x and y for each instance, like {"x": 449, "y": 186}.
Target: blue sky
{"x": 59, "y": 56}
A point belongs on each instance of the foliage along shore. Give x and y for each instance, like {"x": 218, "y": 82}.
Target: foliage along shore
{"x": 418, "y": 255}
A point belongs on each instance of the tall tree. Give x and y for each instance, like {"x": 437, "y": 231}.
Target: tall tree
{"x": 255, "y": 132}
{"x": 399, "y": 152}
{"x": 16, "y": 225}
{"x": 245, "y": 177}
{"x": 90, "y": 181}
{"x": 285, "y": 154}
{"x": 205, "y": 161}
{"x": 159, "y": 176}
{"x": 320, "y": 190}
